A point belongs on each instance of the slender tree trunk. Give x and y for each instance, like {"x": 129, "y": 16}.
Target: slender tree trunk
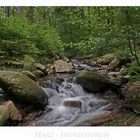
{"x": 19, "y": 10}
{"x": 31, "y": 14}
{"x": 8, "y": 11}
{"x": 44, "y": 12}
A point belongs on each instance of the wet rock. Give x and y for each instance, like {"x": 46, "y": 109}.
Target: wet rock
{"x": 102, "y": 72}
{"x": 100, "y": 102}
{"x": 104, "y": 67}
{"x": 50, "y": 69}
{"x": 29, "y": 74}
{"x": 11, "y": 64}
{"x": 131, "y": 91}
{"x": 1, "y": 91}
{"x": 38, "y": 73}
{"x": 125, "y": 79}
{"x": 123, "y": 70}
{"x": 92, "y": 81}
{"x": 2, "y": 98}
{"x": 92, "y": 63}
{"x": 114, "y": 74}
{"x": 114, "y": 64}
{"x": 22, "y": 88}
{"x": 72, "y": 103}
{"x": 106, "y": 59}
{"x": 13, "y": 111}
{"x": 40, "y": 67}
{"x": 101, "y": 119}
{"x": 62, "y": 66}
{"x": 4, "y": 114}
{"x": 66, "y": 59}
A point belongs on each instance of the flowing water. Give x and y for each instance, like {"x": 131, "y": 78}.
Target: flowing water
{"x": 70, "y": 104}
{"x": 61, "y": 115}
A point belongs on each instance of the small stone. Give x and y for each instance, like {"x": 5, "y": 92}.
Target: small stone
{"x": 62, "y": 66}
{"x": 38, "y": 73}
{"x": 114, "y": 74}
{"x": 40, "y": 67}
{"x": 72, "y": 103}
{"x": 115, "y": 63}
{"x": 13, "y": 111}
{"x": 4, "y": 114}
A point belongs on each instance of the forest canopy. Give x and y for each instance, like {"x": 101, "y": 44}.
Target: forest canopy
{"x": 44, "y": 32}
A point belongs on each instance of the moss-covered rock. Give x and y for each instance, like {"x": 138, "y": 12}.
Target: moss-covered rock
{"x": 29, "y": 74}
{"x": 131, "y": 91}
{"x": 4, "y": 114}
{"x": 92, "y": 81}
{"x": 38, "y": 73}
{"x": 115, "y": 63}
{"x": 11, "y": 64}
{"x": 22, "y": 87}
{"x": 106, "y": 59}
{"x": 40, "y": 67}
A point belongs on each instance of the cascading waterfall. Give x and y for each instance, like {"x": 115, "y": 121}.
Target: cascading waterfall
{"x": 89, "y": 106}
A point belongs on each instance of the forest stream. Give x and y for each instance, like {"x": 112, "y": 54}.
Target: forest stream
{"x": 70, "y": 105}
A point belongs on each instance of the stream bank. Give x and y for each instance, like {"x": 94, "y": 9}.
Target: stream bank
{"x": 70, "y": 103}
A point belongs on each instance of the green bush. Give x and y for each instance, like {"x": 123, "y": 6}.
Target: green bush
{"x": 18, "y": 38}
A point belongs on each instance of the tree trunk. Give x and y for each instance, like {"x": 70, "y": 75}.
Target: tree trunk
{"x": 8, "y": 11}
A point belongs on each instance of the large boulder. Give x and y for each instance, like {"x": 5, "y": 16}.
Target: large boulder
{"x": 106, "y": 59}
{"x": 22, "y": 88}
{"x": 131, "y": 92}
{"x": 62, "y": 66}
{"x": 92, "y": 81}
{"x": 4, "y": 114}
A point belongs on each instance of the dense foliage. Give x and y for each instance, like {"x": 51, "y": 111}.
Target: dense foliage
{"x": 45, "y": 32}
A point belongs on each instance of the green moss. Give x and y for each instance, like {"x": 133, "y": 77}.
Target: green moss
{"x": 92, "y": 81}
{"x": 22, "y": 87}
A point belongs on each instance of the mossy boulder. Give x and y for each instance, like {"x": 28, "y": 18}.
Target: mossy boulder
{"x": 106, "y": 59}
{"x": 22, "y": 88}
{"x": 4, "y": 114}
{"x": 38, "y": 73}
{"x": 131, "y": 92}
{"x": 92, "y": 81}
